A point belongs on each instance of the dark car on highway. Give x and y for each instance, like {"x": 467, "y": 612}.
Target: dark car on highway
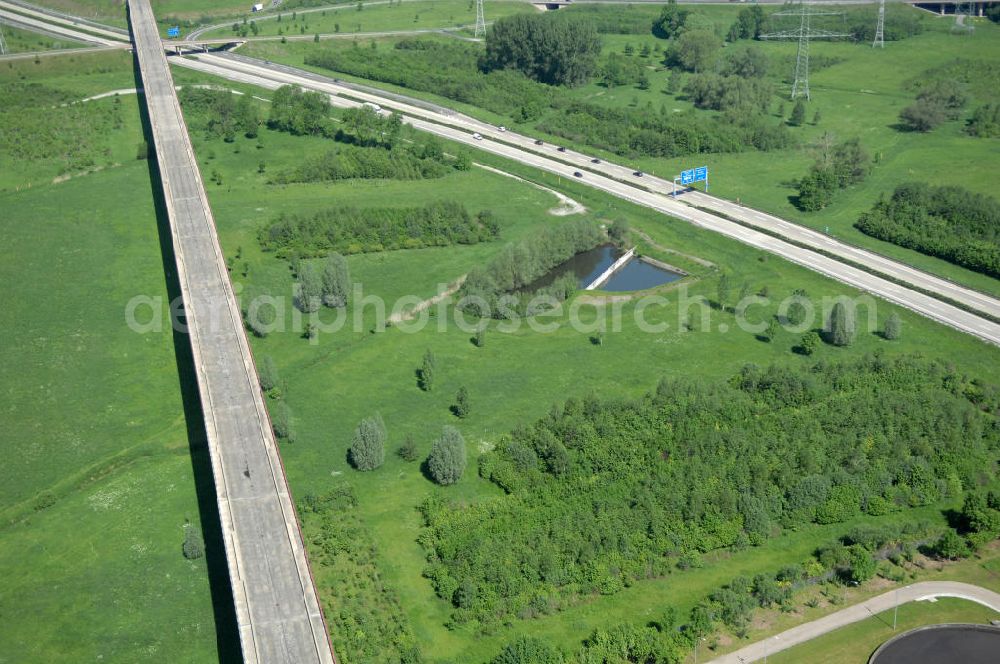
{"x": 577, "y": 174}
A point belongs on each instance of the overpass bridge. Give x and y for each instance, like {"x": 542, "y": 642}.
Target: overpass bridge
{"x": 277, "y": 608}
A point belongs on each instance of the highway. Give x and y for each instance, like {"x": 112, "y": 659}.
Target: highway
{"x": 277, "y": 608}
{"x": 52, "y": 28}
{"x": 858, "y": 612}
{"x": 55, "y": 23}
{"x": 457, "y": 127}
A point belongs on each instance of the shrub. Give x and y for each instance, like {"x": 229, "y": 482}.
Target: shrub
{"x": 893, "y": 327}
{"x": 368, "y": 445}
{"x": 447, "y": 460}
{"x": 268, "y": 374}
{"x": 950, "y": 546}
{"x": 352, "y": 230}
{"x": 193, "y": 546}
{"x": 281, "y": 421}
{"x": 461, "y": 406}
{"x": 951, "y": 223}
{"x": 408, "y": 450}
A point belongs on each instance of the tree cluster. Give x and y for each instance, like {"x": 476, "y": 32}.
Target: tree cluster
{"x": 603, "y": 492}
{"x": 838, "y": 167}
{"x": 369, "y": 624}
{"x": 749, "y": 24}
{"x": 737, "y": 92}
{"x": 351, "y": 230}
{"x": 938, "y": 101}
{"x": 346, "y": 162}
{"x": 643, "y": 131}
{"x": 226, "y": 113}
{"x": 548, "y": 47}
{"x": 849, "y": 560}
{"x": 985, "y": 121}
{"x": 951, "y": 223}
{"x": 671, "y": 21}
{"x": 299, "y": 112}
{"x": 446, "y": 69}
{"x": 517, "y": 265}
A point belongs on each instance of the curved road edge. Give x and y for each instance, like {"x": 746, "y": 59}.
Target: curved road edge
{"x": 917, "y": 592}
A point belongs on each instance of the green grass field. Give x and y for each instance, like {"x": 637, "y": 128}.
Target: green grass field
{"x": 98, "y": 479}
{"x": 350, "y": 374}
{"x": 855, "y": 643}
{"x": 419, "y": 14}
{"x": 860, "y": 96}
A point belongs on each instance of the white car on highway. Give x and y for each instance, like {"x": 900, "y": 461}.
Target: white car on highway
{"x": 477, "y": 136}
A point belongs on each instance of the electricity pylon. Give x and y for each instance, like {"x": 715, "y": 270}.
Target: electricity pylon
{"x": 804, "y": 33}
{"x": 880, "y": 27}
{"x": 480, "y": 19}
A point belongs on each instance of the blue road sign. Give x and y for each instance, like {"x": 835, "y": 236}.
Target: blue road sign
{"x": 692, "y": 175}
{"x": 174, "y": 32}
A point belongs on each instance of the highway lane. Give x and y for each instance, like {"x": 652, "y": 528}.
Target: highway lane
{"x": 453, "y": 126}
{"x": 277, "y": 609}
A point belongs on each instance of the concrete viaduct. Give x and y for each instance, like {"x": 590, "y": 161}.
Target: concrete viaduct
{"x": 277, "y": 608}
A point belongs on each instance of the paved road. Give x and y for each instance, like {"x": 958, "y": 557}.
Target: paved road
{"x": 858, "y": 612}
{"x": 458, "y": 127}
{"x": 54, "y": 22}
{"x": 75, "y": 20}
{"x": 51, "y": 28}
{"x": 28, "y": 55}
{"x": 277, "y": 609}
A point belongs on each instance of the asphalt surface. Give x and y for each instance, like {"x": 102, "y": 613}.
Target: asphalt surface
{"x": 52, "y": 27}
{"x": 802, "y": 633}
{"x": 613, "y": 179}
{"x": 968, "y": 644}
{"x": 60, "y": 24}
{"x": 277, "y": 609}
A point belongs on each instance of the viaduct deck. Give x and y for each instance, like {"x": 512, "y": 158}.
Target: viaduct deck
{"x": 277, "y": 608}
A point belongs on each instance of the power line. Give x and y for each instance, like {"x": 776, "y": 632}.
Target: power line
{"x": 804, "y": 33}
{"x": 480, "y": 19}
{"x": 880, "y": 27}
